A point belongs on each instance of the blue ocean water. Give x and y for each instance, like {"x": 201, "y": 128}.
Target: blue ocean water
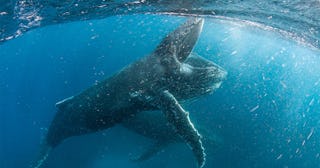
{"x": 266, "y": 113}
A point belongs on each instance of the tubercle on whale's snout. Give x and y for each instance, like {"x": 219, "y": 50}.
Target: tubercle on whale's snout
{"x": 218, "y": 72}
{"x": 223, "y": 74}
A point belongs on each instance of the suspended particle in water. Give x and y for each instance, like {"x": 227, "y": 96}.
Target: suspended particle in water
{"x": 280, "y": 156}
{"x": 254, "y": 108}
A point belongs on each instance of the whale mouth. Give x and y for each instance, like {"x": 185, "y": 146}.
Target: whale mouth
{"x": 216, "y": 73}
{"x": 215, "y": 86}
{"x": 208, "y": 75}
{"x": 221, "y": 75}
{"x": 209, "y": 80}
{"x": 215, "y": 77}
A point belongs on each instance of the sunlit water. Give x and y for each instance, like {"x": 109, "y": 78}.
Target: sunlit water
{"x": 297, "y": 19}
{"x": 266, "y": 114}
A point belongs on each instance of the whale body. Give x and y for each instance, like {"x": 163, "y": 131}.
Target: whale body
{"x": 155, "y": 82}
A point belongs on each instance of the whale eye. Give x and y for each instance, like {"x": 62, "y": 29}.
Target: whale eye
{"x": 165, "y": 62}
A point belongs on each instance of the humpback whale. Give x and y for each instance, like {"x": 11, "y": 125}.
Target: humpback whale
{"x": 158, "y": 81}
{"x": 153, "y": 124}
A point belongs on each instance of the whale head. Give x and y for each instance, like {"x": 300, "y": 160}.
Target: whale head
{"x": 197, "y": 76}
{"x": 186, "y": 74}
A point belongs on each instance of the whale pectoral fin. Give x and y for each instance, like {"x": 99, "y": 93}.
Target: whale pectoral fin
{"x": 155, "y": 148}
{"x": 184, "y": 38}
{"x": 179, "y": 118}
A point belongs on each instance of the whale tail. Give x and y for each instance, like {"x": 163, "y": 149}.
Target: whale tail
{"x": 42, "y": 156}
{"x": 150, "y": 152}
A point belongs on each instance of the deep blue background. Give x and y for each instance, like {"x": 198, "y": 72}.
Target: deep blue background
{"x": 267, "y": 112}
